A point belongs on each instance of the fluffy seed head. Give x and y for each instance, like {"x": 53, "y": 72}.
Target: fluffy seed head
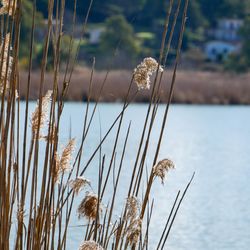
{"x": 90, "y": 245}
{"x": 43, "y": 115}
{"x": 134, "y": 231}
{"x": 88, "y": 206}
{"x": 133, "y": 207}
{"x": 62, "y": 163}
{"x": 67, "y": 155}
{"x": 56, "y": 171}
{"x": 8, "y": 7}
{"x": 6, "y": 64}
{"x": 78, "y": 184}
{"x": 20, "y": 213}
{"x": 143, "y": 71}
{"x": 162, "y": 167}
{"x": 152, "y": 64}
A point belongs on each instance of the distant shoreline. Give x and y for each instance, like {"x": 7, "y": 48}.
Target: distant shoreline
{"x": 192, "y": 87}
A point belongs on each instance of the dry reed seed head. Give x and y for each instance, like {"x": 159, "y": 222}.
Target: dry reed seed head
{"x": 43, "y": 115}
{"x": 20, "y": 213}
{"x": 6, "y": 64}
{"x": 133, "y": 207}
{"x": 88, "y": 206}
{"x": 78, "y": 184}
{"x": 15, "y": 167}
{"x": 8, "y": 7}
{"x": 56, "y": 170}
{"x": 67, "y": 155}
{"x": 142, "y": 78}
{"x": 144, "y": 70}
{"x": 152, "y": 64}
{"x": 90, "y": 245}
{"x": 53, "y": 218}
{"x": 133, "y": 231}
{"x": 162, "y": 167}
{"x": 16, "y": 94}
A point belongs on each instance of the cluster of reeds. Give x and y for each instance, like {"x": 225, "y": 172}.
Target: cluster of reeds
{"x": 34, "y": 216}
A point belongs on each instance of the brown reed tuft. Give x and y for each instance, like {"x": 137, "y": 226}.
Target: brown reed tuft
{"x": 133, "y": 207}
{"x": 44, "y": 113}
{"x": 62, "y": 164}
{"x": 88, "y": 206}
{"x": 6, "y": 64}
{"x": 8, "y": 7}
{"x": 78, "y": 184}
{"x": 66, "y": 156}
{"x": 20, "y": 213}
{"x": 133, "y": 231}
{"x": 90, "y": 245}
{"x": 143, "y": 71}
{"x": 56, "y": 170}
{"x": 162, "y": 167}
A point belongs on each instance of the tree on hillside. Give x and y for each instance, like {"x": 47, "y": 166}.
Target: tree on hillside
{"x": 196, "y": 17}
{"x": 42, "y": 7}
{"x": 130, "y": 7}
{"x": 241, "y": 62}
{"x": 118, "y": 32}
{"x": 26, "y": 25}
{"x": 214, "y": 9}
{"x": 245, "y": 33}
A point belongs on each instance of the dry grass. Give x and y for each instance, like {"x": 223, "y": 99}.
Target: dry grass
{"x": 192, "y": 87}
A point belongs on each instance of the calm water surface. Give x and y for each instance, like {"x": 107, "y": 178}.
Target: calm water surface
{"x": 213, "y": 141}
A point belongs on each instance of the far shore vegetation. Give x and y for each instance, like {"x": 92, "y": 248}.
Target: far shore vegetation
{"x": 119, "y": 34}
{"x": 131, "y": 30}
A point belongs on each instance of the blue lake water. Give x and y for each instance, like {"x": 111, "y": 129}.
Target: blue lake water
{"x": 213, "y": 141}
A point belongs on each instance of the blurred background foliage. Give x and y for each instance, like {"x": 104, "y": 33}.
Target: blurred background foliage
{"x": 132, "y": 29}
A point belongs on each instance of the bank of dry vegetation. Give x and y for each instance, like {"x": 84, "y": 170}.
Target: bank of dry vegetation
{"x": 192, "y": 87}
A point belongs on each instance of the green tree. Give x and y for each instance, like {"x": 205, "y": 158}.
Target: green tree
{"x": 245, "y": 34}
{"x": 118, "y": 32}
{"x": 26, "y": 26}
{"x": 241, "y": 62}
{"x": 196, "y": 17}
{"x": 214, "y": 9}
{"x": 130, "y": 7}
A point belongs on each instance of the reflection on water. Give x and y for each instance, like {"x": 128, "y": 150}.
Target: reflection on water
{"x": 213, "y": 141}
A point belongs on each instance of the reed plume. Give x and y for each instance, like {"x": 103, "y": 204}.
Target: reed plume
{"x": 144, "y": 70}
{"x": 35, "y": 122}
{"x": 66, "y": 156}
{"x": 6, "y": 63}
{"x": 133, "y": 207}
{"x": 62, "y": 163}
{"x": 88, "y": 206}
{"x": 78, "y": 184}
{"x": 162, "y": 167}
{"x": 56, "y": 169}
{"x": 20, "y": 213}
{"x": 8, "y": 7}
{"x": 90, "y": 245}
{"x": 133, "y": 231}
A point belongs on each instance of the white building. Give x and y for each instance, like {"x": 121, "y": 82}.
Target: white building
{"x": 219, "y": 50}
{"x": 228, "y": 30}
{"x": 226, "y": 39}
{"x": 95, "y": 34}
